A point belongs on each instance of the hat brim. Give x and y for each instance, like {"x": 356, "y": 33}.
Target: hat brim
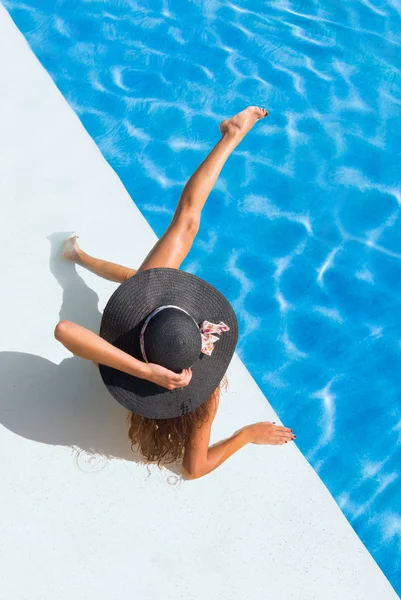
{"x": 122, "y": 321}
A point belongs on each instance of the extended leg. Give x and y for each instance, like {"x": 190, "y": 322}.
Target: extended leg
{"x": 174, "y": 245}
{"x": 172, "y": 248}
{"x": 105, "y": 269}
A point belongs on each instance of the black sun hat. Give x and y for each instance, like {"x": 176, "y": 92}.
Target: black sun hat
{"x": 169, "y": 317}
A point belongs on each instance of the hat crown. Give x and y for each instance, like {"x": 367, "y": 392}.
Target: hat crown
{"x": 124, "y": 325}
{"x": 172, "y": 339}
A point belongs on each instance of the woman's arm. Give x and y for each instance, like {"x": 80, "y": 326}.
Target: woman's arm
{"x": 200, "y": 459}
{"x": 86, "y": 344}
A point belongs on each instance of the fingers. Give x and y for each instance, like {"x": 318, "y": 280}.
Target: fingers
{"x": 285, "y": 436}
{"x": 280, "y": 427}
{"x": 180, "y": 380}
{"x": 282, "y": 435}
{"x": 283, "y": 430}
{"x": 279, "y": 439}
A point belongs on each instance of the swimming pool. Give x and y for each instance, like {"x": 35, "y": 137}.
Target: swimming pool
{"x": 302, "y": 230}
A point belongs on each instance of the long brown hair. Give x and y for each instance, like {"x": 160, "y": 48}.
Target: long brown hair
{"x": 164, "y": 440}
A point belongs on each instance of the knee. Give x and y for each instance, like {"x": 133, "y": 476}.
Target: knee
{"x": 61, "y": 330}
{"x": 193, "y": 225}
{"x": 189, "y": 221}
{"x": 129, "y": 273}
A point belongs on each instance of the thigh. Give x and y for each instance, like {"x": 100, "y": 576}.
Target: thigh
{"x": 172, "y": 248}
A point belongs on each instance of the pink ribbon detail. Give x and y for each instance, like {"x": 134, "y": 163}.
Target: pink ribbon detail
{"x": 207, "y": 330}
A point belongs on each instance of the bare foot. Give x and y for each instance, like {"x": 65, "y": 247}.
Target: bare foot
{"x": 242, "y": 122}
{"x": 71, "y": 250}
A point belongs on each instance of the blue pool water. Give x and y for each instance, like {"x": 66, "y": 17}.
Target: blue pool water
{"x": 302, "y": 231}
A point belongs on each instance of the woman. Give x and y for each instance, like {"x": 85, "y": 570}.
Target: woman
{"x": 157, "y": 350}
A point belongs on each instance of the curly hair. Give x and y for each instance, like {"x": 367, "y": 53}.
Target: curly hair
{"x": 164, "y": 440}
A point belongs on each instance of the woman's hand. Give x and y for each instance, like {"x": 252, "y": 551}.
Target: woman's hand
{"x": 166, "y": 378}
{"x": 268, "y": 433}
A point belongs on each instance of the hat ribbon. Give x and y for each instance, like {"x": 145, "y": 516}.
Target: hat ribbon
{"x": 206, "y": 330}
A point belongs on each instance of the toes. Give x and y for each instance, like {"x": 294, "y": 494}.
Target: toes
{"x": 256, "y": 109}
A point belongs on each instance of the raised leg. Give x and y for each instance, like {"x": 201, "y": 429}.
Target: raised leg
{"x": 172, "y": 248}
{"x": 105, "y": 269}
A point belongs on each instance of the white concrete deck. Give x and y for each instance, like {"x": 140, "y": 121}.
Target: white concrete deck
{"x": 97, "y": 524}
